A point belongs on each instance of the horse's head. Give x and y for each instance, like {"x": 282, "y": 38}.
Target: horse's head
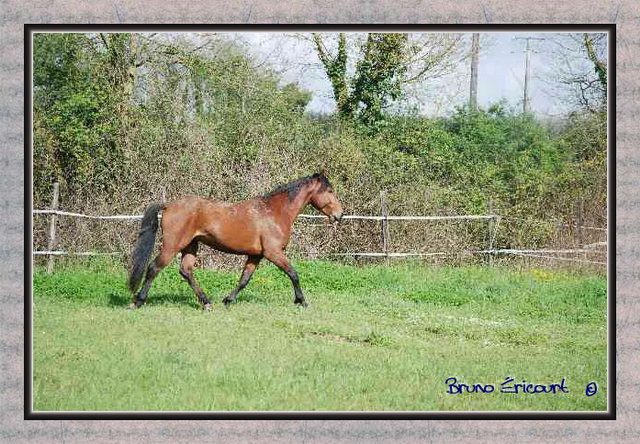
{"x": 324, "y": 199}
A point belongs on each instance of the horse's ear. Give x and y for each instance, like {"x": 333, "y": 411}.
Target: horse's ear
{"x": 323, "y": 173}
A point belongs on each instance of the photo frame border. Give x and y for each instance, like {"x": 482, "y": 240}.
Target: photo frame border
{"x": 610, "y": 414}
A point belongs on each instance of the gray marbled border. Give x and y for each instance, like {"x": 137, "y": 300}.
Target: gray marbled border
{"x": 626, "y": 15}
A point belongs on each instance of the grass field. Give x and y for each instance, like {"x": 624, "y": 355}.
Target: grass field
{"x": 373, "y": 338}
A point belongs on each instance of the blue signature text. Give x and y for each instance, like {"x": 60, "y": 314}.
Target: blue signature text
{"x": 455, "y": 387}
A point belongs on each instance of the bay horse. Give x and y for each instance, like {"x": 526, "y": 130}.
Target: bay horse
{"x": 257, "y": 228}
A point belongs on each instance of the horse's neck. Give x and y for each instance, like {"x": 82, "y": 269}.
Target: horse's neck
{"x": 298, "y": 204}
{"x": 291, "y": 209}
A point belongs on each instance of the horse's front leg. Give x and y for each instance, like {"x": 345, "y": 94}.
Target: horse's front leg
{"x": 279, "y": 259}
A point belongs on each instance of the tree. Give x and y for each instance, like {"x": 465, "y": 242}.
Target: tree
{"x": 76, "y": 110}
{"x": 595, "y": 47}
{"x": 295, "y": 98}
{"x": 379, "y": 75}
{"x": 336, "y": 69}
{"x": 579, "y": 74}
{"x": 387, "y": 62}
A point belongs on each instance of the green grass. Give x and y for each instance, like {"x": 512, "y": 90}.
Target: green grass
{"x": 373, "y": 338}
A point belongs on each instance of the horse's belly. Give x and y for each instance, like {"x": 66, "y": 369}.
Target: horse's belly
{"x": 240, "y": 243}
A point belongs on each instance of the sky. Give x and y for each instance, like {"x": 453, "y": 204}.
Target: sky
{"x": 500, "y": 73}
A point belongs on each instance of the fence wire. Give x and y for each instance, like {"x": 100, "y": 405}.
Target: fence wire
{"x": 539, "y": 253}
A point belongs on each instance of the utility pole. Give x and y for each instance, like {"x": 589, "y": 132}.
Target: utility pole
{"x": 525, "y": 103}
{"x": 475, "y": 49}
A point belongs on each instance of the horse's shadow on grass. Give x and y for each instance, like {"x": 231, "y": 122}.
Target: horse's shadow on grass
{"x": 119, "y": 299}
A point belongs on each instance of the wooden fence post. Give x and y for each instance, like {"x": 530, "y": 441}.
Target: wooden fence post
{"x": 52, "y": 228}
{"x": 580, "y": 221}
{"x": 492, "y": 224}
{"x": 385, "y": 225}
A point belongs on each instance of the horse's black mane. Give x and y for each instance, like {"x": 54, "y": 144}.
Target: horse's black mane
{"x": 293, "y": 188}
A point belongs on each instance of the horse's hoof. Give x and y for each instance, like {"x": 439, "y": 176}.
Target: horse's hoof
{"x": 132, "y": 306}
{"x": 302, "y": 304}
{"x": 206, "y": 307}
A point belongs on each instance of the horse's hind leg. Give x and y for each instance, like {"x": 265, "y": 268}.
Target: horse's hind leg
{"x": 162, "y": 260}
{"x": 249, "y": 267}
{"x": 186, "y": 270}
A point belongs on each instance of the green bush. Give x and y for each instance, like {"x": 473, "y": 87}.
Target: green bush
{"x": 213, "y": 124}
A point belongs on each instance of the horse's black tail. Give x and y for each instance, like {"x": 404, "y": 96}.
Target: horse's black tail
{"x": 144, "y": 245}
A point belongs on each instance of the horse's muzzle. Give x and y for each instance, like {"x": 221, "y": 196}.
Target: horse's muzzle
{"x": 336, "y": 217}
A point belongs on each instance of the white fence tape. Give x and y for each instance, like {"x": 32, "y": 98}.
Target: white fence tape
{"x": 83, "y": 253}
{"x": 531, "y": 253}
{"x": 389, "y": 254}
{"x": 568, "y": 259}
{"x": 524, "y": 253}
{"x": 308, "y": 216}
{"x": 468, "y": 216}
{"x": 519, "y": 252}
{"x": 66, "y": 213}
